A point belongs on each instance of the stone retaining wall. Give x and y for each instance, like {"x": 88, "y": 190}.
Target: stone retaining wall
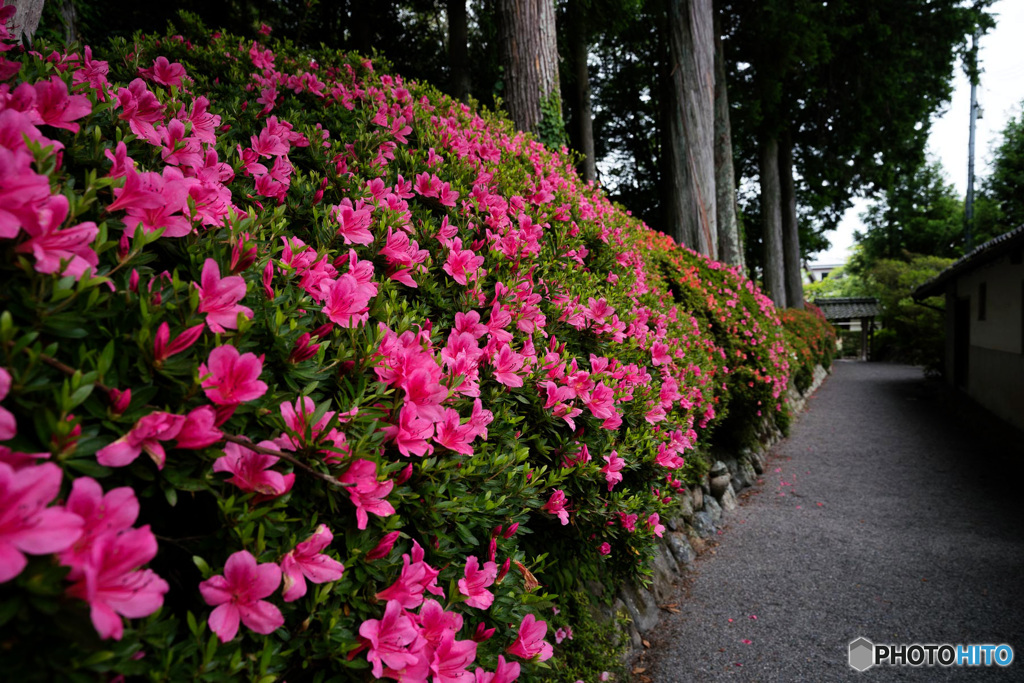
{"x": 702, "y": 511}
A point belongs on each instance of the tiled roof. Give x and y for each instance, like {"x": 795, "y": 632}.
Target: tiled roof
{"x": 836, "y": 308}
{"x": 978, "y": 256}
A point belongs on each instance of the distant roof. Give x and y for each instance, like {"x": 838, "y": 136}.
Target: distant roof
{"x": 979, "y": 256}
{"x": 842, "y": 308}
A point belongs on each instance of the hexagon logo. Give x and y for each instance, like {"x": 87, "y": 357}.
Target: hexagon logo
{"x": 862, "y": 654}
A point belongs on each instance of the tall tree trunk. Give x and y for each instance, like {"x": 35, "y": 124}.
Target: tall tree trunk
{"x": 583, "y": 113}
{"x": 458, "y": 49}
{"x": 691, "y": 213}
{"x": 529, "y": 53}
{"x": 790, "y": 227}
{"x": 25, "y": 20}
{"x": 730, "y": 250}
{"x": 70, "y": 17}
{"x": 771, "y": 210}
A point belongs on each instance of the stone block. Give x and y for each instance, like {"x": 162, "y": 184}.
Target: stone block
{"x": 681, "y": 549}
{"x": 728, "y": 500}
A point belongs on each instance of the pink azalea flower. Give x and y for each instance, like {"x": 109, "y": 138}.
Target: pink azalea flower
{"x": 164, "y": 72}
{"x": 252, "y": 471}
{"x": 507, "y": 364}
{"x": 505, "y": 672}
{"x": 63, "y": 251}
{"x": 140, "y": 108}
{"x": 113, "y": 583}
{"x": 238, "y": 595}
{"x": 605, "y": 548}
{"x": 479, "y": 419}
{"x": 101, "y": 513}
{"x": 411, "y": 434}
{"x": 367, "y": 494}
{"x": 562, "y": 634}
{"x": 21, "y": 188}
{"x": 8, "y": 425}
{"x": 417, "y": 576}
{"x": 668, "y": 459}
{"x": 307, "y": 562}
{"x": 613, "y": 469}
{"x": 451, "y": 657}
{"x": 146, "y": 435}
{"x": 55, "y": 107}
{"x": 346, "y": 300}
{"x": 434, "y": 622}
{"x": 655, "y": 525}
{"x": 659, "y": 354}
{"x": 475, "y": 582}
{"x": 232, "y": 378}
{"x": 462, "y": 263}
{"x": 601, "y": 401}
{"x": 179, "y": 149}
{"x": 219, "y": 297}
{"x": 394, "y": 640}
{"x": 353, "y": 222}
{"x": 423, "y": 390}
{"x": 26, "y": 524}
{"x": 199, "y": 430}
{"x": 94, "y": 72}
{"x": 530, "y": 642}
{"x": 556, "y": 506}
{"x": 451, "y": 434}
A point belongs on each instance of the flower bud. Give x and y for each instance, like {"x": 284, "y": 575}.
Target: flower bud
{"x": 384, "y": 547}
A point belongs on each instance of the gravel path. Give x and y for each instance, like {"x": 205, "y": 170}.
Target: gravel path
{"x": 890, "y": 513}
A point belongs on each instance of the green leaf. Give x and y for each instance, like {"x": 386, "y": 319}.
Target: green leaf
{"x": 8, "y": 608}
{"x": 79, "y": 395}
{"x": 202, "y": 566}
{"x": 89, "y": 467}
{"x": 106, "y": 359}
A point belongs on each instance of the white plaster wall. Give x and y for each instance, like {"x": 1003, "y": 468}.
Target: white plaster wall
{"x": 996, "y": 381}
{"x": 1001, "y": 329}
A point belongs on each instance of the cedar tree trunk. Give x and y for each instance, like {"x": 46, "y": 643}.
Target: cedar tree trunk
{"x": 790, "y": 228}
{"x": 529, "y": 53}
{"x": 771, "y": 208}
{"x": 25, "y": 20}
{"x": 458, "y": 49}
{"x": 70, "y": 16}
{"x": 583, "y": 113}
{"x": 690, "y": 210}
{"x": 730, "y": 250}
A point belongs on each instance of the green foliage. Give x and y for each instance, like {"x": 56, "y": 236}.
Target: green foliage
{"x": 914, "y": 333}
{"x": 841, "y": 282}
{"x": 1000, "y": 205}
{"x": 920, "y": 213}
{"x": 811, "y": 340}
{"x": 597, "y": 644}
{"x": 551, "y": 129}
{"x": 838, "y": 75}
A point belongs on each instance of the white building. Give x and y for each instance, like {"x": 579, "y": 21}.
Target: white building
{"x": 984, "y": 293}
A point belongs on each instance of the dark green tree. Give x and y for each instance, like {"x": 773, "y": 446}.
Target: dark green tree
{"x": 920, "y": 213}
{"x": 1000, "y": 205}
{"x": 853, "y": 82}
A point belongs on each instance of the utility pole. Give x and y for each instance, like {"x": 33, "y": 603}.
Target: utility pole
{"x": 972, "y": 73}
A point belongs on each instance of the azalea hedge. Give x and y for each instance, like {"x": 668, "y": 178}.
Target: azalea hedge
{"x": 311, "y": 373}
{"x": 811, "y": 340}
